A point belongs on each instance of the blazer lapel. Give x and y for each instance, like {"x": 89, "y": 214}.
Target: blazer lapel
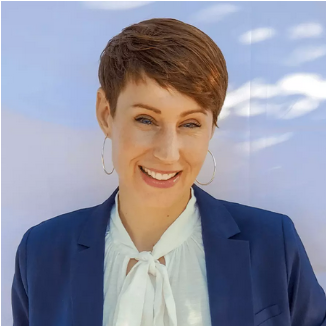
{"x": 227, "y": 265}
{"x": 87, "y": 278}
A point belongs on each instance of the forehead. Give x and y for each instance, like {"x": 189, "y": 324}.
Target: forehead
{"x": 151, "y": 93}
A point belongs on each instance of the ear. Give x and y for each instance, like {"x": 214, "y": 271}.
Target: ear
{"x": 103, "y": 112}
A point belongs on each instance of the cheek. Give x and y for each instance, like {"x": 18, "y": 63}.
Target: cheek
{"x": 195, "y": 155}
{"x": 137, "y": 141}
{"x": 121, "y": 151}
{"x": 127, "y": 148}
{"x": 134, "y": 142}
{"x": 198, "y": 158}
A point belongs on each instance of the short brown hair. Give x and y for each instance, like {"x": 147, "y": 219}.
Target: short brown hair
{"x": 171, "y": 52}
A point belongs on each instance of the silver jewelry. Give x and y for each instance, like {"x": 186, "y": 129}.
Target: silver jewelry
{"x": 103, "y": 158}
{"x": 204, "y": 184}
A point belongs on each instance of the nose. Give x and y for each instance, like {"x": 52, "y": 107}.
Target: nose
{"x": 167, "y": 146}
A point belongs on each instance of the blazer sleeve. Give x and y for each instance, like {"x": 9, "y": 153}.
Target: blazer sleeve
{"x": 19, "y": 293}
{"x": 307, "y": 298}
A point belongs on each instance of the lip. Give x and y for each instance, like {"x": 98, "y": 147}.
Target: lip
{"x": 160, "y": 171}
{"x": 159, "y": 183}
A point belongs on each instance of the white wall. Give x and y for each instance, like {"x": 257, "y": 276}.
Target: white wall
{"x": 270, "y": 148}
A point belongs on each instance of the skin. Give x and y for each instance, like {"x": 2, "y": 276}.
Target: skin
{"x": 168, "y": 142}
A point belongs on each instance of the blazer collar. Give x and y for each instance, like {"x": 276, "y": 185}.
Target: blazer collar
{"x": 227, "y": 265}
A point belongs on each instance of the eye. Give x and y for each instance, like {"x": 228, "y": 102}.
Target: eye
{"x": 195, "y": 125}
{"x": 140, "y": 119}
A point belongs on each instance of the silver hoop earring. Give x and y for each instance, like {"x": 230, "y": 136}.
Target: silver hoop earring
{"x": 204, "y": 184}
{"x": 103, "y": 158}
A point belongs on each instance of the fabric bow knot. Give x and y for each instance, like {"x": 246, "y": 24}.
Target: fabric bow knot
{"x": 146, "y": 295}
{"x": 146, "y": 256}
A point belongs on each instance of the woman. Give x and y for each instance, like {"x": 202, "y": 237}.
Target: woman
{"x": 160, "y": 250}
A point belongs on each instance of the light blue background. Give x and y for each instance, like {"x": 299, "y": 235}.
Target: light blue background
{"x": 269, "y": 149}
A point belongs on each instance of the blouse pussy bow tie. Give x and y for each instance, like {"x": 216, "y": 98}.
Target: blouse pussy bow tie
{"x": 139, "y": 303}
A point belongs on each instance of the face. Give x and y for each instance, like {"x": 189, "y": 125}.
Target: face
{"x": 166, "y": 139}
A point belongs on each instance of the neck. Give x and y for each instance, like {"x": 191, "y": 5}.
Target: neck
{"x": 146, "y": 224}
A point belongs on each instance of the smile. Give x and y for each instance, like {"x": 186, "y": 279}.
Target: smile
{"x": 158, "y": 176}
{"x": 158, "y": 180}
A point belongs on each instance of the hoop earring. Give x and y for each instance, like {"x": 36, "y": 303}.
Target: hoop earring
{"x": 204, "y": 184}
{"x": 103, "y": 158}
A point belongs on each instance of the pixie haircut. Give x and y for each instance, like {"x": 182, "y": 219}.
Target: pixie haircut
{"x": 174, "y": 54}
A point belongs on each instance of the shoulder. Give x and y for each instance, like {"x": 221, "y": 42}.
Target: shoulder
{"x": 252, "y": 213}
{"x": 258, "y": 221}
{"x": 58, "y": 229}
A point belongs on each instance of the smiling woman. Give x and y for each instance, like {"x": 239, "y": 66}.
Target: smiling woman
{"x": 160, "y": 250}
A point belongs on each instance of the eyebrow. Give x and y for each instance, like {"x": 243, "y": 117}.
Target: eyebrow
{"x": 183, "y": 114}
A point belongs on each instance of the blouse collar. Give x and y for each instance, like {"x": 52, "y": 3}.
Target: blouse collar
{"x": 178, "y": 232}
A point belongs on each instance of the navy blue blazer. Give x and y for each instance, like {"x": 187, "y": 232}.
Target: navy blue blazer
{"x": 258, "y": 272}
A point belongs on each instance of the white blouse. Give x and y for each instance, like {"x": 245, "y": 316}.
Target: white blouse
{"x": 153, "y": 294}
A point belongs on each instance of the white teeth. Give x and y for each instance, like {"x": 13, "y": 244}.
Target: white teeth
{"x": 159, "y": 176}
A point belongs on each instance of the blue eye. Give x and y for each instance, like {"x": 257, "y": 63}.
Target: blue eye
{"x": 194, "y": 125}
{"x": 142, "y": 119}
